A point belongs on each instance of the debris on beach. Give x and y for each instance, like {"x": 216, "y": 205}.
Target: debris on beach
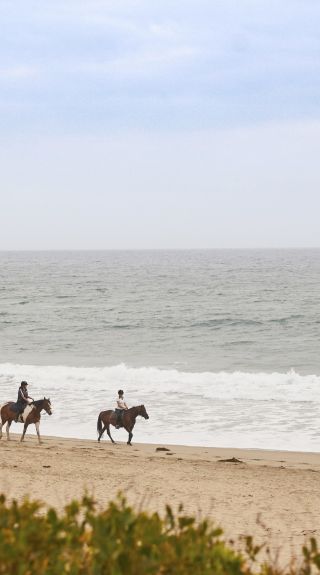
{"x": 162, "y": 449}
{"x": 232, "y": 460}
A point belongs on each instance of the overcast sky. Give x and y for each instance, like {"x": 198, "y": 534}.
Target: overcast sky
{"x": 167, "y": 124}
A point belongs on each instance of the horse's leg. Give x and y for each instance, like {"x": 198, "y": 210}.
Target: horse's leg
{"x": 101, "y": 432}
{"x": 129, "y": 430}
{"x": 108, "y": 432}
{"x": 8, "y": 429}
{"x": 37, "y": 424}
{"x": 24, "y": 431}
{"x": 2, "y": 422}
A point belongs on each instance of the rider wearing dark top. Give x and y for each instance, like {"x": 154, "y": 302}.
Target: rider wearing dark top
{"x": 23, "y": 399}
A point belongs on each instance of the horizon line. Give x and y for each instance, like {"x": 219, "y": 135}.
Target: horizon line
{"x": 266, "y": 248}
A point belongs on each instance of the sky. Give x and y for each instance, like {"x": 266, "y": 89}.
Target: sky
{"x": 168, "y": 124}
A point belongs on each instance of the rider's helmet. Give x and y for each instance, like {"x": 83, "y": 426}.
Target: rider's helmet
{"x": 23, "y": 383}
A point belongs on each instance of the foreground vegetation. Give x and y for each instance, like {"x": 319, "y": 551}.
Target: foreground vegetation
{"x": 119, "y": 540}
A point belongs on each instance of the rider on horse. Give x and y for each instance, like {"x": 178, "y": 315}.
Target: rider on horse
{"x": 23, "y": 399}
{"x": 121, "y": 407}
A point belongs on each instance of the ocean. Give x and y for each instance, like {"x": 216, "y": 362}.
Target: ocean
{"x": 222, "y": 346}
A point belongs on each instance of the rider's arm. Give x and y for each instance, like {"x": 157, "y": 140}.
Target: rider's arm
{"x": 23, "y": 396}
{"x": 126, "y": 405}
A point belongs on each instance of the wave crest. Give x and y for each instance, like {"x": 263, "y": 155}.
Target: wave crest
{"x": 214, "y": 385}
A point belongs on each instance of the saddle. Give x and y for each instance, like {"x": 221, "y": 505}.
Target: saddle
{"x": 23, "y": 416}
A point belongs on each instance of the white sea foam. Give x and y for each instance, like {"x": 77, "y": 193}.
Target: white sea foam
{"x": 266, "y": 410}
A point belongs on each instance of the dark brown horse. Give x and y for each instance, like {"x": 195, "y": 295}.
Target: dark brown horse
{"x": 31, "y": 414}
{"x": 107, "y": 418}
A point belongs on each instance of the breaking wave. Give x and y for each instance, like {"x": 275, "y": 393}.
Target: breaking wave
{"x": 264, "y": 410}
{"x": 148, "y": 380}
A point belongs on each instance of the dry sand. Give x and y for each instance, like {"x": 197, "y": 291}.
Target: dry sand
{"x": 272, "y": 495}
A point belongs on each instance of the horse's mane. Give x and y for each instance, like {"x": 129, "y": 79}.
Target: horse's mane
{"x": 38, "y": 402}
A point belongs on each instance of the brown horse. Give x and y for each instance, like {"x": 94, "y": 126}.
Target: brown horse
{"x": 31, "y": 414}
{"x": 107, "y": 418}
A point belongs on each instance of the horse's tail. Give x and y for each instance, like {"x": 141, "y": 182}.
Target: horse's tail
{"x": 99, "y": 424}
{"x": 2, "y": 405}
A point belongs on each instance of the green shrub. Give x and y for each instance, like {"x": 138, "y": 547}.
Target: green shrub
{"x": 120, "y": 540}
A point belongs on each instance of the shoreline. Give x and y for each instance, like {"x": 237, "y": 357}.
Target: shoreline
{"x": 259, "y": 450}
{"x": 32, "y": 433}
{"x": 245, "y": 451}
{"x": 272, "y": 495}
{"x": 250, "y": 410}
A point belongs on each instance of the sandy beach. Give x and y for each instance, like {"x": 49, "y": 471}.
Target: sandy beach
{"x": 273, "y": 495}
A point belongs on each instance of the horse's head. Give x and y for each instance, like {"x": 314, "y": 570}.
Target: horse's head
{"x": 47, "y": 405}
{"x": 143, "y": 412}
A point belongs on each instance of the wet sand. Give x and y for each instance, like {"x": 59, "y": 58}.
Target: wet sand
{"x": 273, "y": 495}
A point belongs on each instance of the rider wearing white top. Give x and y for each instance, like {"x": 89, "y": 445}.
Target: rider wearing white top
{"x": 121, "y": 406}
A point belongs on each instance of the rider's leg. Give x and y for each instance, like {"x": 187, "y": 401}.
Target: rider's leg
{"x": 118, "y": 418}
{"x": 18, "y": 413}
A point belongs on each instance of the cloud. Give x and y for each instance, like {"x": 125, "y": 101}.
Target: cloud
{"x": 107, "y": 65}
{"x": 152, "y": 62}
{"x": 18, "y": 73}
